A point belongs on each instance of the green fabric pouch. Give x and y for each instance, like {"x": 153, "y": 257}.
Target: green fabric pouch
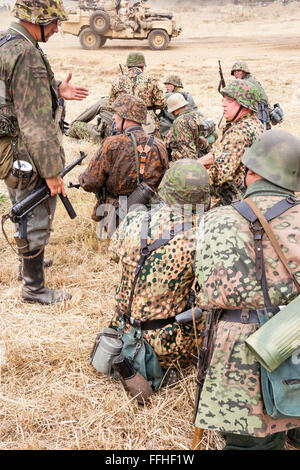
{"x": 281, "y": 388}
{"x": 142, "y": 356}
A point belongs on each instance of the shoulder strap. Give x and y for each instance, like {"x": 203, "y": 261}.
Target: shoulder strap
{"x": 141, "y": 155}
{"x": 258, "y": 225}
{"x": 8, "y": 38}
{"x": 267, "y": 228}
{"x": 147, "y": 250}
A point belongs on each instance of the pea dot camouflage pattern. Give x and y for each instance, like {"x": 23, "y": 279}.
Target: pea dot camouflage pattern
{"x": 244, "y": 92}
{"x": 130, "y": 107}
{"x": 186, "y": 182}
{"x": 40, "y": 12}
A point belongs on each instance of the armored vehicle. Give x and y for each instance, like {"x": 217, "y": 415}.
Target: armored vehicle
{"x": 95, "y": 22}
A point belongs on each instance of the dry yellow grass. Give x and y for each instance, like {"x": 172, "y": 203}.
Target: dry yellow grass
{"x": 50, "y": 396}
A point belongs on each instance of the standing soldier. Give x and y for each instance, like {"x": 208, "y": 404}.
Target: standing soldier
{"x": 173, "y": 84}
{"x": 139, "y": 83}
{"x": 241, "y": 274}
{"x": 31, "y": 104}
{"x": 242, "y": 128}
{"x": 125, "y": 160}
{"x": 190, "y": 135}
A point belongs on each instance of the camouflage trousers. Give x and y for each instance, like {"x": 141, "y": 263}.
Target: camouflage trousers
{"x": 231, "y": 399}
{"x": 37, "y": 219}
{"x": 86, "y": 131}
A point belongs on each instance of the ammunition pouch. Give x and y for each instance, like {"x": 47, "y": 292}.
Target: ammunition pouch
{"x": 6, "y": 156}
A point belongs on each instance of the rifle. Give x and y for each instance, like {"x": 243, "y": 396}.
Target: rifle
{"x": 222, "y": 83}
{"x": 21, "y": 209}
{"x": 122, "y": 72}
{"x": 263, "y": 114}
{"x": 204, "y": 359}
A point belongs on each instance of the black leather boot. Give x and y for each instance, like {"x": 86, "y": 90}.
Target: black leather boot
{"x": 47, "y": 263}
{"x": 293, "y": 437}
{"x": 34, "y": 289}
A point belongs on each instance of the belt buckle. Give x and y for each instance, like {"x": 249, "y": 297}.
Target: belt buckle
{"x": 245, "y": 316}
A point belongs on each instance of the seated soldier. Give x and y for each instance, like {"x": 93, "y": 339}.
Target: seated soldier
{"x": 173, "y": 84}
{"x": 191, "y": 135}
{"x": 83, "y": 128}
{"x": 123, "y": 161}
{"x": 149, "y": 299}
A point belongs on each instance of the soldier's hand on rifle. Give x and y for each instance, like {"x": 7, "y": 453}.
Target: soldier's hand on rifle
{"x": 56, "y": 185}
{"x": 207, "y": 160}
{"x": 68, "y": 91}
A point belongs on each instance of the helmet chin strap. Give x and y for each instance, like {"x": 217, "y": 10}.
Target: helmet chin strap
{"x": 237, "y": 113}
{"x": 42, "y": 33}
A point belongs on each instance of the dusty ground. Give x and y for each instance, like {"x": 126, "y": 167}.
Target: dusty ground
{"x": 50, "y": 397}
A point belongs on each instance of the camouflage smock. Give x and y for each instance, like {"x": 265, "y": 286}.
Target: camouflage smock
{"x": 114, "y": 165}
{"x": 231, "y": 398}
{"x": 26, "y": 98}
{"x": 163, "y": 286}
{"x": 226, "y": 173}
{"x": 183, "y": 138}
{"x": 139, "y": 83}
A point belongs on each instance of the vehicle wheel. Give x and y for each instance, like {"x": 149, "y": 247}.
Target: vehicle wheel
{"x": 89, "y": 40}
{"x": 100, "y": 22}
{"x": 103, "y": 40}
{"x": 158, "y": 39}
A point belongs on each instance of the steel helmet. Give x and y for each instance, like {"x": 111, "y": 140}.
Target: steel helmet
{"x": 40, "y": 12}
{"x": 244, "y": 92}
{"x": 176, "y": 101}
{"x": 130, "y": 107}
{"x": 135, "y": 59}
{"x": 174, "y": 80}
{"x": 240, "y": 66}
{"x": 275, "y": 156}
{"x": 186, "y": 182}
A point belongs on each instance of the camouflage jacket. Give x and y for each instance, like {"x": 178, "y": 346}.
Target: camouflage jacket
{"x": 26, "y": 99}
{"x": 183, "y": 137}
{"x": 225, "y": 268}
{"x": 163, "y": 286}
{"x": 141, "y": 84}
{"x": 114, "y": 165}
{"x": 226, "y": 174}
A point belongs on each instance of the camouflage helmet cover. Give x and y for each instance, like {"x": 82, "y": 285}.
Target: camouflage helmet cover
{"x": 174, "y": 80}
{"x": 41, "y": 12}
{"x": 244, "y": 92}
{"x": 276, "y": 157}
{"x": 135, "y": 59}
{"x": 240, "y": 66}
{"x": 130, "y": 107}
{"x": 176, "y": 101}
{"x": 186, "y": 182}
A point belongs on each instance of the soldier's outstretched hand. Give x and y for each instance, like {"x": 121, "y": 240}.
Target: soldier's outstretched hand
{"x": 68, "y": 91}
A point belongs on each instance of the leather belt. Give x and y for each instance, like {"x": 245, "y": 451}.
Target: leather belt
{"x": 245, "y": 315}
{"x": 149, "y": 324}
